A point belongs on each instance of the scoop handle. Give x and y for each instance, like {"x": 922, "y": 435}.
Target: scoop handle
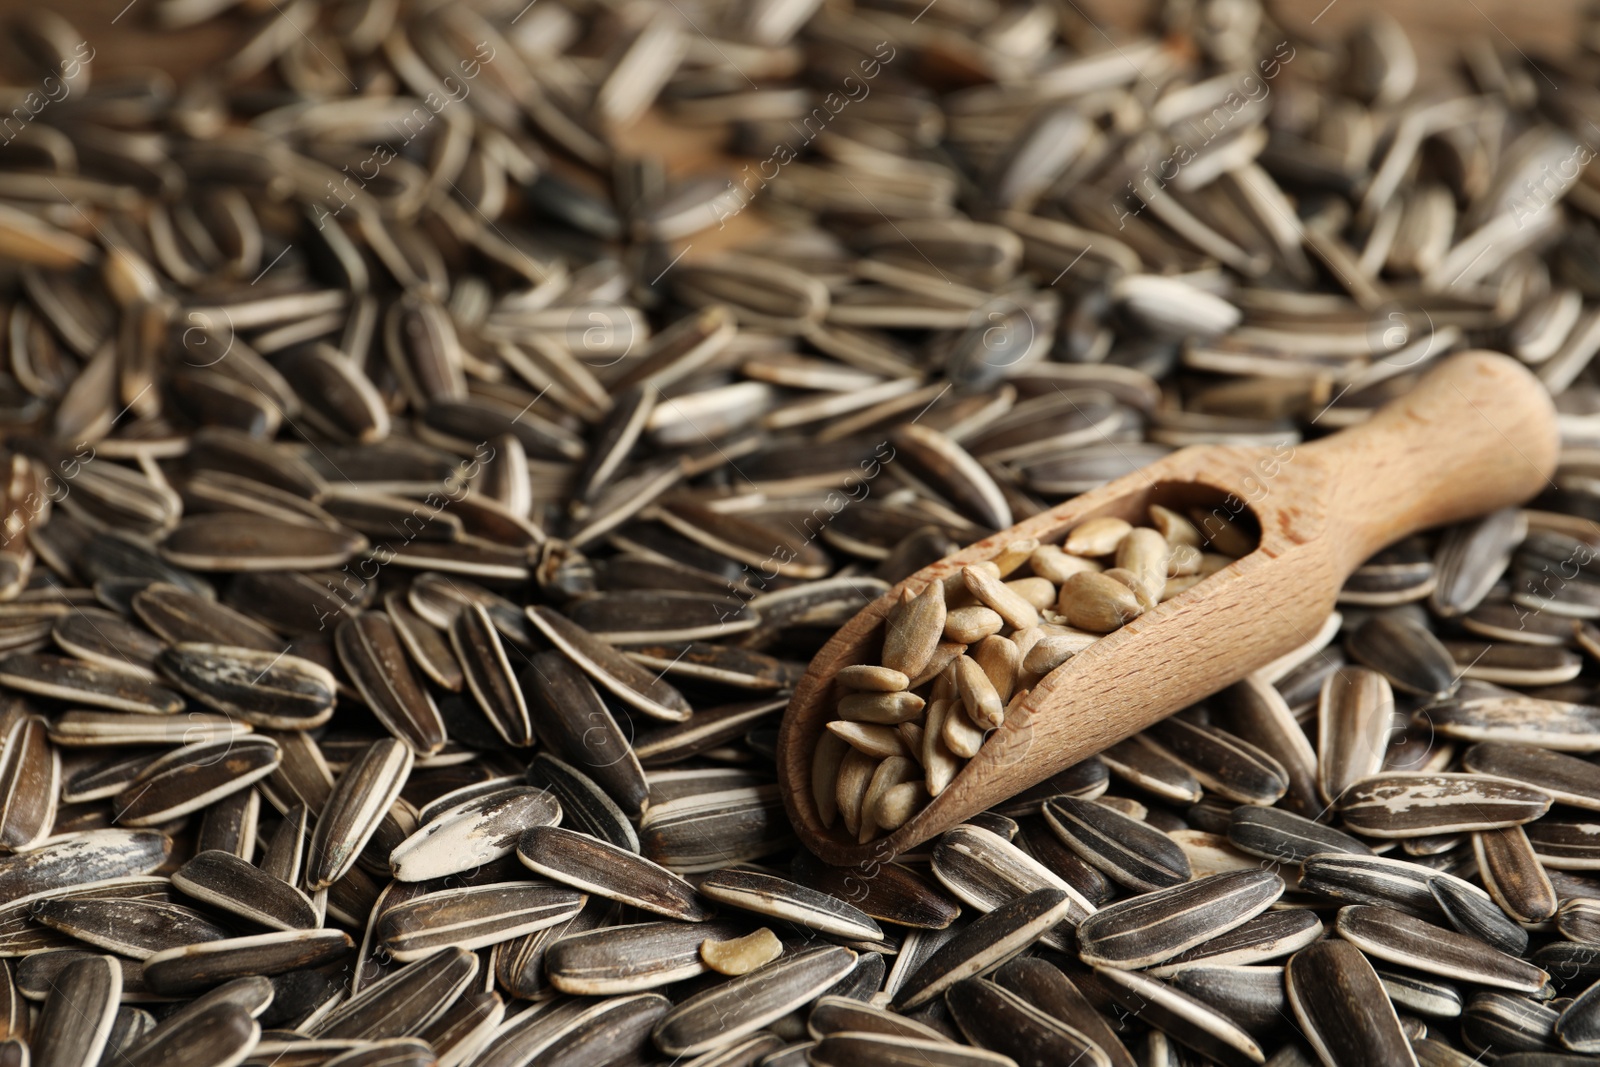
{"x": 1476, "y": 434}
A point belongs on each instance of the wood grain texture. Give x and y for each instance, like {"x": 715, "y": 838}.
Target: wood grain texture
{"x": 1477, "y": 434}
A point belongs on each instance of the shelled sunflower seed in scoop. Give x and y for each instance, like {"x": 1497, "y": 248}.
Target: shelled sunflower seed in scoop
{"x": 958, "y": 652}
{"x": 417, "y": 504}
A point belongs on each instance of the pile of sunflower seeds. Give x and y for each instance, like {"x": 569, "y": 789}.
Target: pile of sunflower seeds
{"x": 415, "y": 519}
{"x": 980, "y": 640}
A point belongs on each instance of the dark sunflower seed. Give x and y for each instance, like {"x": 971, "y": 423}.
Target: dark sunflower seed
{"x": 98, "y": 728}
{"x": 530, "y": 1034}
{"x": 576, "y": 723}
{"x": 1252, "y": 997}
{"x": 994, "y": 1018}
{"x": 284, "y": 855}
{"x": 584, "y": 805}
{"x": 1188, "y": 1021}
{"x": 1342, "y": 1007}
{"x": 303, "y": 776}
{"x": 1355, "y": 717}
{"x": 469, "y": 834}
{"x": 988, "y": 942}
{"x": 489, "y": 675}
{"x": 87, "y": 683}
{"x": 1414, "y": 805}
{"x": 1255, "y": 708}
{"x": 473, "y": 917}
{"x": 30, "y": 782}
{"x": 298, "y": 602}
{"x": 737, "y": 667}
{"x": 1152, "y": 770}
{"x": 82, "y": 858}
{"x": 610, "y": 669}
{"x": 376, "y": 661}
{"x": 1472, "y": 914}
{"x": 1508, "y": 663}
{"x": 1051, "y": 991}
{"x": 954, "y": 473}
{"x": 857, "y": 1049}
{"x": 20, "y": 936}
{"x": 39, "y": 974}
{"x": 594, "y": 866}
{"x": 405, "y": 1001}
{"x": 1129, "y": 852}
{"x": 1569, "y": 780}
{"x": 240, "y": 542}
{"x": 77, "y": 1016}
{"x": 1038, "y": 840}
{"x": 191, "y": 968}
{"x": 986, "y": 871}
{"x": 1420, "y": 994}
{"x": 1502, "y": 1021}
{"x": 428, "y": 648}
{"x": 225, "y": 881}
{"x": 1154, "y": 927}
{"x": 1578, "y": 919}
{"x": 1513, "y": 875}
{"x": 614, "y": 1030}
{"x": 1394, "y": 883}
{"x": 835, "y": 1014}
{"x": 780, "y": 898}
{"x": 1405, "y": 653}
{"x": 1410, "y": 942}
{"x": 1268, "y": 936}
{"x": 519, "y": 964}
{"x": 102, "y": 780}
{"x": 708, "y": 729}
{"x": 627, "y": 959}
{"x": 189, "y": 778}
{"x": 361, "y": 798}
{"x": 1578, "y": 1025}
{"x": 1226, "y": 765}
{"x": 893, "y": 894}
{"x": 616, "y": 437}
{"x": 751, "y": 543}
{"x": 215, "y": 1036}
{"x": 136, "y": 928}
{"x": 711, "y": 830}
{"x": 231, "y": 824}
{"x": 1501, "y": 620}
{"x": 108, "y": 639}
{"x": 631, "y": 618}
{"x": 1472, "y": 557}
{"x": 745, "y": 1004}
{"x": 267, "y": 689}
{"x": 463, "y": 1029}
{"x": 1563, "y": 845}
{"x": 1284, "y": 837}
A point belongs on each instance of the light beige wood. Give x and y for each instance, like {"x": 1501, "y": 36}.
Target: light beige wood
{"x": 1478, "y": 433}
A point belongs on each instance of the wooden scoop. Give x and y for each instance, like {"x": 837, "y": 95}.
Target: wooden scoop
{"x": 1476, "y": 434}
